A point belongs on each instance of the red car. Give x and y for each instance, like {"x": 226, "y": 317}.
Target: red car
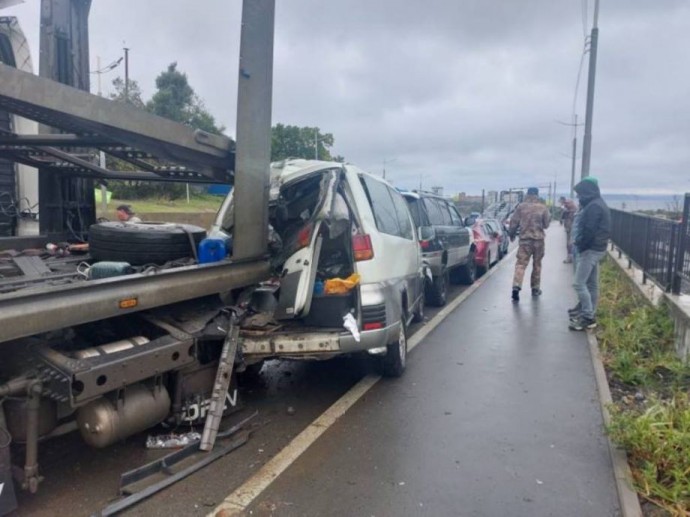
{"x": 488, "y": 238}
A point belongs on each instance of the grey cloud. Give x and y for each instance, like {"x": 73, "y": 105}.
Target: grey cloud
{"x": 464, "y": 94}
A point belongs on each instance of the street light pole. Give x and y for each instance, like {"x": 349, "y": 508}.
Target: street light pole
{"x": 126, "y": 74}
{"x": 385, "y": 161}
{"x": 587, "y": 142}
{"x": 572, "y": 172}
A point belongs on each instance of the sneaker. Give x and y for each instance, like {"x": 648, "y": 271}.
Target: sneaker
{"x": 516, "y": 294}
{"x": 575, "y": 311}
{"x": 536, "y": 292}
{"x": 582, "y": 323}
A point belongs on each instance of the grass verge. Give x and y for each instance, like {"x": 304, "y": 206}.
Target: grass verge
{"x": 649, "y": 385}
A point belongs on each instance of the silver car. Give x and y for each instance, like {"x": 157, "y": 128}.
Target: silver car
{"x": 331, "y": 222}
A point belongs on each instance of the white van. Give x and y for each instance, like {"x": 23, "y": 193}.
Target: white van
{"x": 330, "y": 220}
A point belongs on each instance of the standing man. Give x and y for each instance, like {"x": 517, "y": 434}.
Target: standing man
{"x": 126, "y": 214}
{"x": 568, "y": 209}
{"x": 591, "y": 239}
{"x": 530, "y": 219}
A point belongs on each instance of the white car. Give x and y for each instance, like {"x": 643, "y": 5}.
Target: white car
{"x": 331, "y": 220}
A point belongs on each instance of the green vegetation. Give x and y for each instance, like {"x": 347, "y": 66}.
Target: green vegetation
{"x": 176, "y": 99}
{"x": 197, "y": 203}
{"x": 301, "y": 142}
{"x": 649, "y": 384}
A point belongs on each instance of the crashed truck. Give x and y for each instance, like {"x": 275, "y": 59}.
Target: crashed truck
{"x": 108, "y": 329}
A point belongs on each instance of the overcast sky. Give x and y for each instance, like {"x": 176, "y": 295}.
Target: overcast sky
{"x": 463, "y": 94}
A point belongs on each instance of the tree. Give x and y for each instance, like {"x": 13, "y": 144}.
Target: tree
{"x": 175, "y": 99}
{"x": 132, "y": 97}
{"x": 301, "y": 142}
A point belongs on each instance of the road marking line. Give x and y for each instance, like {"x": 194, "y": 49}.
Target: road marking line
{"x": 238, "y": 501}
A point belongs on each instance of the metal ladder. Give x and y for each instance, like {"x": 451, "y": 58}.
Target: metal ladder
{"x": 222, "y": 383}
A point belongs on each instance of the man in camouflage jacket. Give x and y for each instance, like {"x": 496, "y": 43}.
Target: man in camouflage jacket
{"x": 530, "y": 219}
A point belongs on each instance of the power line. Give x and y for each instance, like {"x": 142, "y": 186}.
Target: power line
{"x": 585, "y": 15}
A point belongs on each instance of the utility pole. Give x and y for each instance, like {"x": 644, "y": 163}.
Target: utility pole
{"x": 316, "y": 144}
{"x": 385, "y": 161}
{"x": 126, "y": 74}
{"x": 483, "y": 198}
{"x": 572, "y": 172}
{"x": 587, "y": 142}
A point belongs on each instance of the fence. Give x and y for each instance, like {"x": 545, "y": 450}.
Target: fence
{"x": 658, "y": 246}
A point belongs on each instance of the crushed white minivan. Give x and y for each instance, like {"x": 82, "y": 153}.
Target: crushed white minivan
{"x": 332, "y": 224}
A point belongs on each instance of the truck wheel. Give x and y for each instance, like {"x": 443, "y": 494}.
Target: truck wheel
{"x": 396, "y": 357}
{"x": 467, "y": 273}
{"x": 143, "y": 243}
{"x": 438, "y": 290}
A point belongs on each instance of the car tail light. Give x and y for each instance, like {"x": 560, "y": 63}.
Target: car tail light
{"x": 362, "y": 248}
{"x": 304, "y": 236}
{"x": 373, "y": 326}
{"x": 425, "y": 245}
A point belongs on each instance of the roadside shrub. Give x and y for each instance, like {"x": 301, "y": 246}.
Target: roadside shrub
{"x": 657, "y": 440}
{"x": 650, "y": 386}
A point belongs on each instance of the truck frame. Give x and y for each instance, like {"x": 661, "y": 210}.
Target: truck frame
{"x": 111, "y": 356}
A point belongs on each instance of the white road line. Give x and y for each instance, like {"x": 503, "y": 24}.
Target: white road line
{"x": 238, "y": 501}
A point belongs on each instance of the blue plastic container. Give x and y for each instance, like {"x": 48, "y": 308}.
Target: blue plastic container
{"x": 212, "y": 249}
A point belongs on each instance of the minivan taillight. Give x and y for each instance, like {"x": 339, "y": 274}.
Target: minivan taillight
{"x": 304, "y": 236}
{"x": 362, "y": 248}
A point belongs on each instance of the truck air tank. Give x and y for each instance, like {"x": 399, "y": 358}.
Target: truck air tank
{"x": 103, "y": 421}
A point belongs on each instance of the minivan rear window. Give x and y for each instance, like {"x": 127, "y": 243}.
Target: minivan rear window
{"x": 382, "y": 206}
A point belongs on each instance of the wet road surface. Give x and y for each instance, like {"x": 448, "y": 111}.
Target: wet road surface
{"x": 80, "y": 480}
{"x": 497, "y": 415}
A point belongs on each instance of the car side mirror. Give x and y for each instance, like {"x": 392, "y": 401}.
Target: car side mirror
{"x": 426, "y": 233}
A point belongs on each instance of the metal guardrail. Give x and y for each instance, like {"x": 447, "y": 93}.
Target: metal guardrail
{"x": 657, "y": 246}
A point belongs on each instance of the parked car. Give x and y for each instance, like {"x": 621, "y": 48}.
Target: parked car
{"x": 446, "y": 243}
{"x": 329, "y": 222}
{"x": 504, "y": 243}
{"x": 488, "y": 237}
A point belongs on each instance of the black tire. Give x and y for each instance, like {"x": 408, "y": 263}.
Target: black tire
{"x": 143, "y": 243}
{"x": 438, "y": 289}
{"x": 396, "y": 357}
{"x": 418, "y": 315}
{"x": 467, "y": 273}
{"x": 481, "y": 270}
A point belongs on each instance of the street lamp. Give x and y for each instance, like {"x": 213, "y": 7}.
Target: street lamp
{"x": 385, "y": 161}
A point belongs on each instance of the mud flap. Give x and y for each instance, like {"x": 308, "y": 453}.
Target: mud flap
{"x": 8, "y": 501}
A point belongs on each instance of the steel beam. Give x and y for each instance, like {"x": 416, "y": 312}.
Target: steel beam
{"x": 32, "y": 311}
{"x": 78, "y": 112}
{"x": 254, "y": 129}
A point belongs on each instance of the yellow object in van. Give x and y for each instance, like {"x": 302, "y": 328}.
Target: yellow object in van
{"x": 341, "y": 285}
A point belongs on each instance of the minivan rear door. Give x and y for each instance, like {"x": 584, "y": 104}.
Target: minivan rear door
{"x": 299, "y": 269}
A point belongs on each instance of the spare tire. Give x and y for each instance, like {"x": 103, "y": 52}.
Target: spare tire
{"x": 143, "y": 243}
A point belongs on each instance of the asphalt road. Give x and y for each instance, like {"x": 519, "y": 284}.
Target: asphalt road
{"x": 80, "y": 480}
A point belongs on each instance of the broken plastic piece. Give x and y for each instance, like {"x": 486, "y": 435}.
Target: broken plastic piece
{"x": 172, "y": 441}
{"x": 341, "y": 285}
{"x": 350, "y": 323}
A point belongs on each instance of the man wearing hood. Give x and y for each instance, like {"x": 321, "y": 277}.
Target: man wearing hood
{"x": 531, "y": 218}
{"x": 591, "y": 239}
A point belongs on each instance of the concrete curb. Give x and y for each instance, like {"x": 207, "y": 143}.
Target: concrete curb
{"x": 627, "y": 496}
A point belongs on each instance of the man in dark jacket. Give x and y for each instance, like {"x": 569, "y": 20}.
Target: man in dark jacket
{"x": 591, "y": 239}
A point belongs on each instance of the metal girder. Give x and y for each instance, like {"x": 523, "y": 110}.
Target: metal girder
{"x": 90, "y": 116}
{"x": 32, "y": 311}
